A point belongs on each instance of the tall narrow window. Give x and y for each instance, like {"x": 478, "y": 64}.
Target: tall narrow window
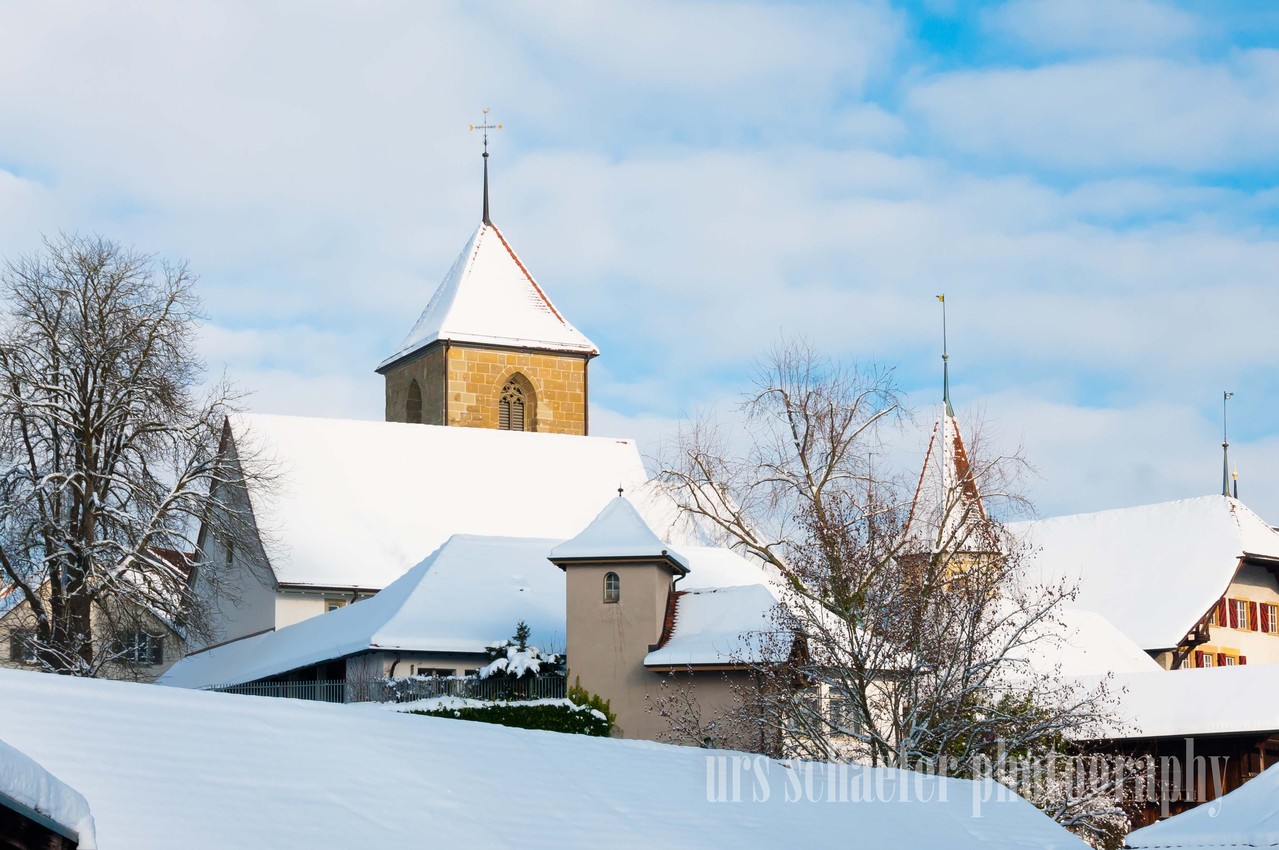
{"x": 413, "y": 405}
{"x": 612, "y": 587}
{"x": 510, "y": 408}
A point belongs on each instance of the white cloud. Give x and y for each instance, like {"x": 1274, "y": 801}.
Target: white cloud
{"x": 1110, "y": 114}
{"x": 1092, "y": 25}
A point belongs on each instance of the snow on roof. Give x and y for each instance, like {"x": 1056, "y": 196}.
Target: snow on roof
{"x": 1082, "y": 643}
{"x": 489, "y": 297}
{"x": 1200, "y": 701}
{"x": 468, "y": 594}
{"x": 1153, "y": 570}
{"x": 163, "y": 768}
{"x": 24, "y": 782}
{"x": 723, "y": 625}
{"x": 617, "y": 532}
{"x": 1246, "y": 817}
{"x": 356, "y": 504}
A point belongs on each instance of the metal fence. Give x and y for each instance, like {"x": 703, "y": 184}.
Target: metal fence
{"x": 406, "y": 689}
{"x": 334, "y": 690}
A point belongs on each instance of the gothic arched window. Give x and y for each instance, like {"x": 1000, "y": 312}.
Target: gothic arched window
{"x": 413, "y": 406}
{"x": 511, "y": 407}
{"x": 612, "y": 587}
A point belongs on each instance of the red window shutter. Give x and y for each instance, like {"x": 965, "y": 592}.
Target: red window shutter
{"x": 1243, "y": 659}
{"x": 1221, "y": 611}
{"x": 1265, "y": 618}
{"x": 1233, "y": 610}
{"x": 1199, "y": 658}
{"x": 1221, "y": 659}
{"x": 1252, "y": 616}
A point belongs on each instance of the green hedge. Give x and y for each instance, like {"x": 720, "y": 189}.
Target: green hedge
{"x": 553, "y": 718}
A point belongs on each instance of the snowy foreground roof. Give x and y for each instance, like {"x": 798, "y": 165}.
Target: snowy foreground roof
{"x": 1246, "y": 817}
{"x": 465, "y": 596}
{"x": 356, "y": 504}
{"x": 1153, "y": 570}
{"x": 489, "y": 297}
{"x": 27, "y": 787}
{"x": 163, "y": 768}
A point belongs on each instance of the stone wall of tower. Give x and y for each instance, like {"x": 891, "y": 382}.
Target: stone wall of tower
{"x": 476, "y": 376}
{"x": 428, "y": 371}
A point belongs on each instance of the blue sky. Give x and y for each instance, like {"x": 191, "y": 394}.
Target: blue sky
{"x": 1092, "y": 183}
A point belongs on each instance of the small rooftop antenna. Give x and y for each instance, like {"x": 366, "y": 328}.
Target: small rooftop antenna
{"x": 945, "y": 360}
{"x": 484, "y": 126}
{"x": 1225, "y": 445}
{"x": 619, "y": 492}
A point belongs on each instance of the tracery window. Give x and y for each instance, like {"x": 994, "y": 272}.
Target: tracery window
{"x": 511, "y": 407}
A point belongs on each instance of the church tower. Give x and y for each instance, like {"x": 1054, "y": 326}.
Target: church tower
{"x": 490, "y": 350}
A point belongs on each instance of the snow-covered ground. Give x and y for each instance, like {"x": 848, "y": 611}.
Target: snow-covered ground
{"x": 167, "y": 767}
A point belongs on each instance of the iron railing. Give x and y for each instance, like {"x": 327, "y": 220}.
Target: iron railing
{"x": 405, "y": 690}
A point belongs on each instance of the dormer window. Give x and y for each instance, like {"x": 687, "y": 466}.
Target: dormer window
{"x": 612, "y": 587}
{"x": 511, "y": 407}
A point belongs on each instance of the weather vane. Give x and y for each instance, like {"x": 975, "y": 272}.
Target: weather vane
{"x": 484, "y": 126}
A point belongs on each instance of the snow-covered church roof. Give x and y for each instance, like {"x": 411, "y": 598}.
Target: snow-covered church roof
{"x": 356, "y": 504}
{"x": 1152, "y": 570}
{"x": 489, "y": 297}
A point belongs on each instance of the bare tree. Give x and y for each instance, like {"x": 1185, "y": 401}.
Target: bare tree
{"x": 109, "y": 451}
{"x": 909, "y": 627}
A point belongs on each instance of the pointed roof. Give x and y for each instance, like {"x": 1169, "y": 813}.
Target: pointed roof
{"x": 617, "y": 532}
{"x": 946, "y": 498}
{"x": 489, "y": 297}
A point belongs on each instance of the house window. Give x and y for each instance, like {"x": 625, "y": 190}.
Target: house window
{"x": 433, "y": 671}
{"x": 1224, "y": 660}
{"x": 22, "y": 648}
{"x": 413, "y": 405}
{"x": 1204, "y": 659}
{"x": 511, "y": 407}
{"x": 140, "y": 647}
{"x": 612, "y": 587}
{"x": 333, "y": 604}
{"x": 1239, "y": 614}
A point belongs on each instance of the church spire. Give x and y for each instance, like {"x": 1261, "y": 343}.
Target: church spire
{"x": 945, "y": 360}
{"x": 1225, "y": 446}
{"x": 485, "y": 126}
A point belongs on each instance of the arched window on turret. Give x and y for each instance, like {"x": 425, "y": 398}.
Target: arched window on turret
{"x": 413, "y": 405}
{"x": 612, "y": 587}
{"x": 513, "y": 406}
